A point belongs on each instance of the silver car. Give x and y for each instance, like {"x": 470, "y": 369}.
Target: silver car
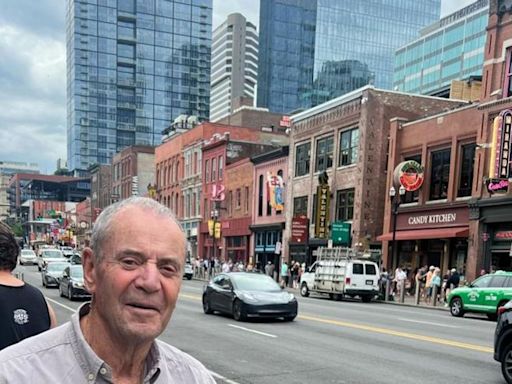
{"x": 27, "y": 256}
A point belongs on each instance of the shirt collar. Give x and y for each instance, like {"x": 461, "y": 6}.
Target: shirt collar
{"x": 92, "y": 365}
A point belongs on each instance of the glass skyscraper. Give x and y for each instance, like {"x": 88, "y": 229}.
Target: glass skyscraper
{"x": 450, "y": 49}
{"x": 133, "y": 66}
{"x": 314, "y": 50}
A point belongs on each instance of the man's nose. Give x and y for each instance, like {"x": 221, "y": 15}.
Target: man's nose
{"x": 149, "y": 277}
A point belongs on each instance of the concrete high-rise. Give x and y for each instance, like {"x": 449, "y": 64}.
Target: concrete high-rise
{"x": 132, "y": 68}
{"x": 314, "y": 50}
{"x": 234, "y": 69}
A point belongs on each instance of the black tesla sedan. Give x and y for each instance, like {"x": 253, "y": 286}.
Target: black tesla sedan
{"x": 245, "y": 295}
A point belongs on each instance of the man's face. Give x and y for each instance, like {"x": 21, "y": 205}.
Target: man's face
{"x": 137, "y": 281}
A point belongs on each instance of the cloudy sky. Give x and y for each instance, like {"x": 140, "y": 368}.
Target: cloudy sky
{"x": 33, "y": 75}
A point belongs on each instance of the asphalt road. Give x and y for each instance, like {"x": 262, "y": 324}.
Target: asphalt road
{"x": 329, "y": 342}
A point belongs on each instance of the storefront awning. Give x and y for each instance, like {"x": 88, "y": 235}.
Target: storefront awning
{"x": 418, "y": 234}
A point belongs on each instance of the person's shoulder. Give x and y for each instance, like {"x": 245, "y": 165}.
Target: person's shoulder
{"x": 192, "y": 369}
{"x": 38, "y": 345}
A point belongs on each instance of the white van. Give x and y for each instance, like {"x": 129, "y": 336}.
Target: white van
{"x": 340, "y": 272}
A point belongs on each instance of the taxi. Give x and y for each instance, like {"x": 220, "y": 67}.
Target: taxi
{"x": 484, "y": 295}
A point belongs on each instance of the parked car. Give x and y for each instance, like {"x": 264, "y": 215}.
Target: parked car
{"x": 484, "y": 295}
{"x": 67, "y": 251}
{"x": 52, "y": 273}
{"x": 72, "y": 283}
{"x": 75, "y": 258}
{"x": 49, "y": 255}
{"x": 248, "y": 294}
{"x": 27, "y": 256}
{"x": 503, "y": 340}
{"x": 188, "y": 271}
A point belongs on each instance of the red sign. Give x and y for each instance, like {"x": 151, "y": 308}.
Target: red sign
{"x": 218, "y": 192}
{"x": 300, "y": 230}
{"x": 502, "y": 235}
{"x": 410, "y": 175}
{"x": 285, "y": 121}
{"x": 497, "y": 185}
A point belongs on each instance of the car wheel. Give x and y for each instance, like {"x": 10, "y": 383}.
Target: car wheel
{"x": 44, "y": 284}
{"x": 456, "y": 307}
{"x": 304, "y": 291}
{"x": 189, "y": 277}
{"x": 238, "y": 311}
{"x": 206, "y": 306}
{"x": 506, "y": 363}
{"x": 290, "y": 318}
{"x": 492, "y": 316}
{"x": 70, "y": 293}
{"x": 338, "y": 297}
{"x": 366, "y": 298}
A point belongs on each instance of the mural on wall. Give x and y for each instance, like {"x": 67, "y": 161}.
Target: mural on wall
{"x": 275, "y": 189}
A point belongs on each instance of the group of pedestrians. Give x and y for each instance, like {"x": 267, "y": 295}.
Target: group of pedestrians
{"x": 425, "y": 280}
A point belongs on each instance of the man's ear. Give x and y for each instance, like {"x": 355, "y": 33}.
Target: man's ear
{"x": 89, "y": 264}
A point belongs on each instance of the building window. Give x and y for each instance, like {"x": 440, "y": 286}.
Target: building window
{"x": 221, "y": 167}
{"x": 246, "y": 199}
{"x": 302, "y": 154}
{"x": 324, "y": 149}
{"x": 260, "y": 196}
{"x": 300, "y": 206}
{"x": 214, "y": 168}
{"x": 207, "y": 171}
{"x": 238, "y": 198}
{"x": 349, "y": 145}
{"x": 412, "y": 196}
{"x": 195, "y": 163}
{"x": 507, "y": 84}
{"x": 466, "y": 171}
{"x": 345, "y": 204}
{"x": 230, "y": 203}
{"x": 206, "y": 209}
{"x": 440, "y": 174}
{"x": 314, "y": 208}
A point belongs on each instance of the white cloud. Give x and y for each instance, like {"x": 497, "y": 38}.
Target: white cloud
{"x": 450, "y": 6}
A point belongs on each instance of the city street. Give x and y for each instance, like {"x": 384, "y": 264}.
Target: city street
{"x": 329, "y": 342}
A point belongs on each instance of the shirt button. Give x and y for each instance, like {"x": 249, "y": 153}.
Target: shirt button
{"x": 103, "y": 370}
{"x": 90, "y": 377}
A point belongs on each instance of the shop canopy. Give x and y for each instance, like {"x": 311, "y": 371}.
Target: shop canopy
{"x": 419, "y": 234}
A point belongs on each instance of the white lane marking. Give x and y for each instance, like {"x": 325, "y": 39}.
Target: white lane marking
{"x": 428, "y": 322}
{"x": 217, "y": 376}
{"x": 62, "y": 305}
{"x": 251, "y": 330}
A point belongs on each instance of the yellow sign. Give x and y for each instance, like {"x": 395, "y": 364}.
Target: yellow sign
{"x": 217, "y": 230}
{"x": 323, "y": 199}
{"x": 210, "y": 227}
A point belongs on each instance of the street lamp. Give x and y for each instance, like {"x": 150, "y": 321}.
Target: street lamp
{"x": 396, "y": 200}
{"x": 214, "y": 214}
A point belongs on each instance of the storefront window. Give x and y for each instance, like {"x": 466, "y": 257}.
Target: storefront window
{"x": 440, "y": 174}
{"x": 302, "y": 154}
{"x": 466, "y": 171}
{"x": 412, "y": 196}
{"x": 324, "y": 149}
{"x": 345, "y": 205}
{"x": 300, "y": 206}
{"x": 349, "y": 143}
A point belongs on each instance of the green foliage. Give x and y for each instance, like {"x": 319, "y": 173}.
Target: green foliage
{"x": 17, "y": 229}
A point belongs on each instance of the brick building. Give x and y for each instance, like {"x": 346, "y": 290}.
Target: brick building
{"x": 460, "y": 217}
{"x": 180, "y": 173}
{"x": 432, "y": 222}
{"x": 227, "y": 193}
{"x": 342, "y": 146}
{"x": 268, "y": 208}
{"x": 101, "y": 187}
{"x": 133, "y": 171}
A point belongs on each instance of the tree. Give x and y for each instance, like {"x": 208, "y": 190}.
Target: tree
{"x": 17, "y": 229}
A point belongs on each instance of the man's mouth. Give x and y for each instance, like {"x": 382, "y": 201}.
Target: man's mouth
{"x": 144, "y": 306}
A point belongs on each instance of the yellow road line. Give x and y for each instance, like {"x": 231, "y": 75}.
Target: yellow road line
{"x": 385, "y": 331}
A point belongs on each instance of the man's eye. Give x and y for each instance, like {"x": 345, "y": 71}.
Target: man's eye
{"x": 129, "y": 263}
{"x": 167, "y": 269}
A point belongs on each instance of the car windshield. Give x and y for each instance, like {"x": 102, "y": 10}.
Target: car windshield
{"x": 27, "y": 252}
{"x": 56, "y": 267}
{"x": 54, "y": 254}
{"x": 256, "y": 282}
{"x": 77, "y": 273}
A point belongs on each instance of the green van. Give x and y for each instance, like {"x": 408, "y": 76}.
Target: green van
{"x": 484, "y": 295}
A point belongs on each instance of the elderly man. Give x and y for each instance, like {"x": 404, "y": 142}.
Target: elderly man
{"x": 133, "y": 271}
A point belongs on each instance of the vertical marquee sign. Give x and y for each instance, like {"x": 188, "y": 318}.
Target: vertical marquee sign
{"x": 500, "y": 154}
{"x": 323, "y": 199}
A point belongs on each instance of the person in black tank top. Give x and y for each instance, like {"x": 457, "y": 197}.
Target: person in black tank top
{"x": 24, "y": 311}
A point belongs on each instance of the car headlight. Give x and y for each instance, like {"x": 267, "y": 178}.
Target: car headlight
{"x": 291, "y": 298}
{"x": 76, "y": 284}
{"x": 248, "y": 297}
